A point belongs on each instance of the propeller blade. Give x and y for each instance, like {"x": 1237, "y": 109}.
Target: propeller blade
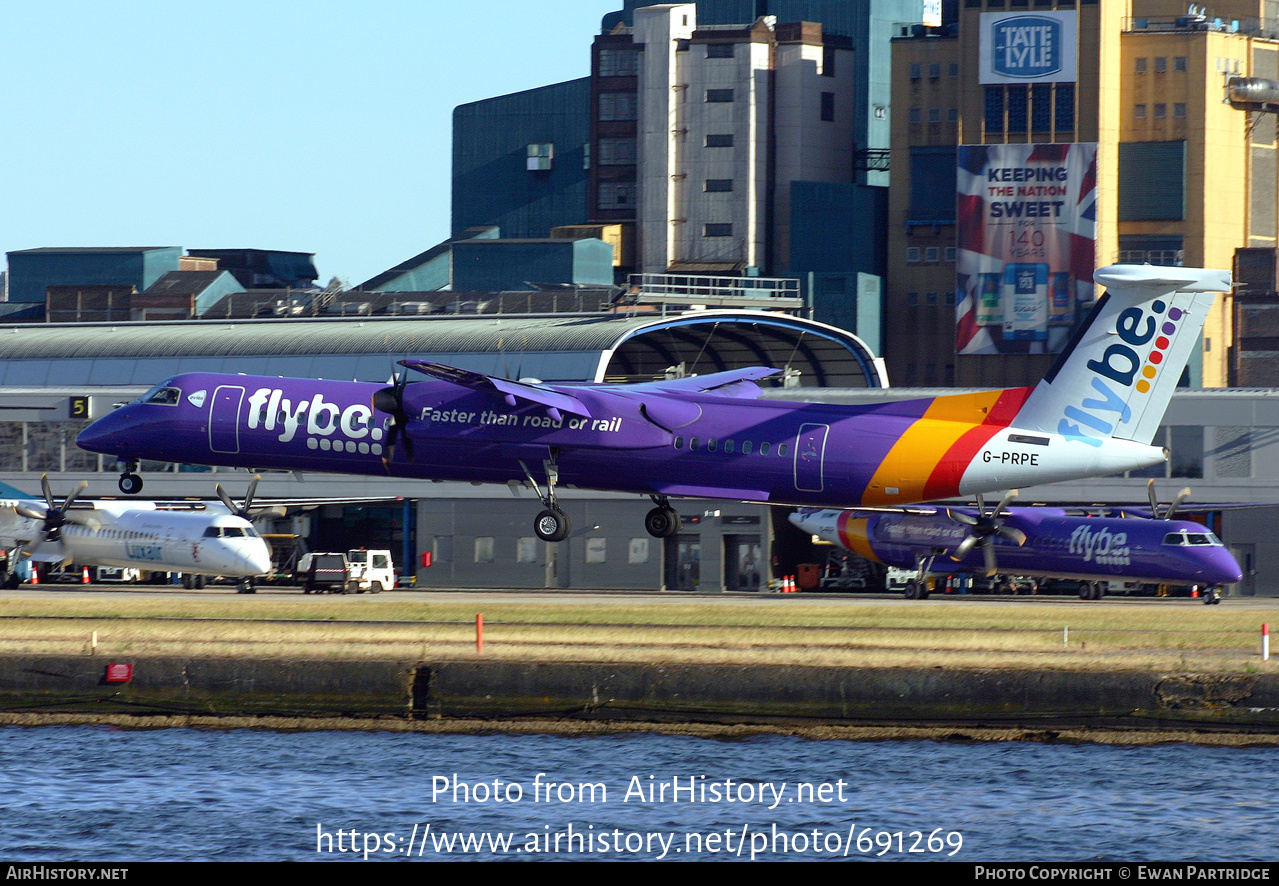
{"x": 962, "y": 549}
{"x": 274, "y": 510}
{"x": 391, "y": 401}
{"x": 988, "y": 554}
{"x": 1154, "y": 500}
{"x": 1176, "y": 502}
{"x": 71, "y": 497}
{"x": 1013, "y": 534}
{"x": 29, "y": 551}
{"x": 29, "y": 512}
{"x": 961, "y": 517}
{"x": 246, "y": 510}
{"x": 84, "y": 520}
{"x": 226, "y": 499}
{"x": 1003, "y": 502}
{"x": 248, "y": 493}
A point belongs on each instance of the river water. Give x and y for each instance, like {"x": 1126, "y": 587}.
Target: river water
{"x": 82, "y": 793}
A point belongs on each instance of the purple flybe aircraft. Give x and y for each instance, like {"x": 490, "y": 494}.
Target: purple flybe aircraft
{"x": 1039, "y": 541}
{"x": 1094, "y": 414}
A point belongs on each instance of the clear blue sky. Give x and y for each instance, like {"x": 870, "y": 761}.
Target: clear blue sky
{"x": 320, "y": 127}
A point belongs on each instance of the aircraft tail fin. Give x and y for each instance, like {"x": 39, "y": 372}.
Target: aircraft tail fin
{"x": 1117, "y": 375}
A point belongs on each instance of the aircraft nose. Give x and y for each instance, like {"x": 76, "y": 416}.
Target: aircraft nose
{"x": 805, "y": 520}
{"x": 256, "y": 560}
{"x": 101, "y": 436}
{"x": 1225, "y": 568}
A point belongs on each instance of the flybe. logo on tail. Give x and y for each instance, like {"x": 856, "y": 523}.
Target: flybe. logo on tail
{"x": 1119, "y": 369}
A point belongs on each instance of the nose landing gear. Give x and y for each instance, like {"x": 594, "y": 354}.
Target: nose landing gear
{"x": 130, "y": 483}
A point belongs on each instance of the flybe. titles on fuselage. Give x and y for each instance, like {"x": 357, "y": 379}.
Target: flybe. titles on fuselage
{"x": 1028, "y": 47}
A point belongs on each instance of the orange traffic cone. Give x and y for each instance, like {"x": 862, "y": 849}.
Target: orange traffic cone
{"x": 84, "y": 576}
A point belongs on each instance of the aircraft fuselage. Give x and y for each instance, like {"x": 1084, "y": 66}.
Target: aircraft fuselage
{"x": 645, "y": 442}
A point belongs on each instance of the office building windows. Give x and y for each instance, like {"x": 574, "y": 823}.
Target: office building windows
{"x": 1064, "y": 107}
{"x": 619, "y": 63}
{"x": 617, "y": 195}
{"x": 718, "y": 230}
{"x": 617, "y": 152}
{"x": 994, "y": 109}
{"x": 1041, "y": 107}
{"x": 618, "y": 105}
{"x": 719, "y": 140}
{"x": 719, "y": 95}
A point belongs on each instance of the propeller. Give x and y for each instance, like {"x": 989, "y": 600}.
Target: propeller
{"x": 53, "y": 517}
{"x": 391, "y": 401}
{"x": 1172, "y": 506}
{"x": 246, "y": 510}
{"x": 985, "y": 526}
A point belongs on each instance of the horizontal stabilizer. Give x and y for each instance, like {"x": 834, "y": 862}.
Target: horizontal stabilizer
{"x": 1117, "y": 375}
{"x": 509, "y": 391}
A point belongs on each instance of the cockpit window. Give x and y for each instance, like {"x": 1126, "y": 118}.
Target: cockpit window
{"x": 162, "y": 395}
{"x": 229, "y": 532}
{"x": 1183, "y": 539}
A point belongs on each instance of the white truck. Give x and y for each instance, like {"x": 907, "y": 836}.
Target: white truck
{"x": 369, "y": 571}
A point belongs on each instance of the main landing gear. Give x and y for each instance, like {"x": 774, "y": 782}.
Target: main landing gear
{"x": 663, "y": 521}
{"x": 130, "y": 483}
{"x": 1092, "y": 590}
{"x": 552, "y": 524}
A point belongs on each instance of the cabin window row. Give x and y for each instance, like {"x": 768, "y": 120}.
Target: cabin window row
{"x": 730, "y": 446}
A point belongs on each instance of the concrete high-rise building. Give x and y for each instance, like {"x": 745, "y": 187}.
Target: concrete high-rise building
{"x": 722, "y": 121}
{"x": 1184, "y": 170}
{"x": 725, "y": 138}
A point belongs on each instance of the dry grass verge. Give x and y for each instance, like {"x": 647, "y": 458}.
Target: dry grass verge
{"x": 1174, "y": 636}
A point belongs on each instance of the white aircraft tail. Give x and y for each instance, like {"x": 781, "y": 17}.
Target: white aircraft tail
{"x": 1116, "y": 377}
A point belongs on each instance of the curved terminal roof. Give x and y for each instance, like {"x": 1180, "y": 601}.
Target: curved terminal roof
{"x": 560, "y": 347}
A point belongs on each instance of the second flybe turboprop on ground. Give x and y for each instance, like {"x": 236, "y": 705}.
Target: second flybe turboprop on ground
{"x": 1094, "y": 414}
{"x": 134, "y": 534}
{"x": 1039, "y": 541}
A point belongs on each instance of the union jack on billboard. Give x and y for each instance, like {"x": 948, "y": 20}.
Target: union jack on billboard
{"x": 1026, "y": 219}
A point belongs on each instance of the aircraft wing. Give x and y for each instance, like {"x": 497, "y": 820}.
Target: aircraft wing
{"x": 510, "y": 391}
{"x": 733, "y": 383}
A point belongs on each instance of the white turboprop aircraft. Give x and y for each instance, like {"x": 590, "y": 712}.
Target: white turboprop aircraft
{"x": 135, "y": 534}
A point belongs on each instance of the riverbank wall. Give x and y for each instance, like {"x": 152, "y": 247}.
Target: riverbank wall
{"x": 667, "y": 693}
